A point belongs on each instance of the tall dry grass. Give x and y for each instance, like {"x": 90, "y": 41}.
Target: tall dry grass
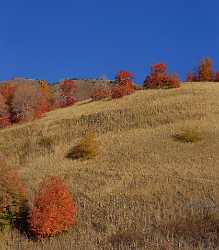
{"x": 144, "y": 189}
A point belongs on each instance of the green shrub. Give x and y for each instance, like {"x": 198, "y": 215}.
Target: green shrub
{"x": 188, "y": 136}
{"x": 86, "y": 149}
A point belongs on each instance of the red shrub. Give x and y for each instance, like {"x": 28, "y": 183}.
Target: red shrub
{"x": 67, "y": 93}
{"x": 100, "y": 93}
{"x": 205, "y": 72}
{"x": 159, "y": 78}
{"x": 216, "y": 78}
{"x": 53, "y": 210}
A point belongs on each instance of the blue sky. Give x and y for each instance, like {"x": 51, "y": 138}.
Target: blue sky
{"x": 66, "y": 38}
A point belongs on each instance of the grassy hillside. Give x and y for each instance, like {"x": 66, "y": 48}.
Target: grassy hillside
{"x": 145, "y": 189}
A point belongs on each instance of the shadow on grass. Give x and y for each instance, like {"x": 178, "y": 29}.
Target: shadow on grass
{"x": 127, "y": 239}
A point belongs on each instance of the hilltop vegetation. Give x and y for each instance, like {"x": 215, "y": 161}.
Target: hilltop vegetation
{"x": 152, "y": 182}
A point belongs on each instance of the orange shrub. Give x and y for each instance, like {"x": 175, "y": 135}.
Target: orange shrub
{"x": 53, "y": 210}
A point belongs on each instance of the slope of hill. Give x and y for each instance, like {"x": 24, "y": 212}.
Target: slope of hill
{"x": 144, "y": 186}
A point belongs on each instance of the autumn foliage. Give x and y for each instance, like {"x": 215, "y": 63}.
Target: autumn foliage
{"x": 190, "y": 77}
{"x": 159, "y": 78}
{"x": 216, "y": 78}
{"x": 4, "y": 112}
{"x": 124, "y": 84}
{"x": 53, "y": 209}
{"x": 12, "y": 197}
{"x": 67, "y": 93}
{"x": 205, "y": 72}
{"x": 25, "y": 102}
{"x": 100, "y": 92}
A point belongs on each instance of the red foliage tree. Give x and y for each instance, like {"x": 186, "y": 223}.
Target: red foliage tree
{"x": 125, "y": 79}
{"x": 67, "y": 93}
{"x": 53, "y": 210}
{"x": 4, "y": 112}
{"x": 159, "y": 78}
{"x": 205, "y": 72}
{"x": 124, "y": 84}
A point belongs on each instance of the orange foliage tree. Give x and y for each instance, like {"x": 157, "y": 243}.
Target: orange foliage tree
{"x": 159, "y": 78}
{"x": 205, "y": 72}
{"x": 53, "y": 210}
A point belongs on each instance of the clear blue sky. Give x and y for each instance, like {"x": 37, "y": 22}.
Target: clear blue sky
{"x": 67, "y": 38}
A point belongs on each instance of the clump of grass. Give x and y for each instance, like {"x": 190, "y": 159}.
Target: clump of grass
{"x": 188, "y": 136}
{"x": 127, "y": 239}
{"x": 195, "y": 228}
{"x": 86, "y": 149}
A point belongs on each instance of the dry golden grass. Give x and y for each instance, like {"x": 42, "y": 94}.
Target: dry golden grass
{"x": 144, "y": 189}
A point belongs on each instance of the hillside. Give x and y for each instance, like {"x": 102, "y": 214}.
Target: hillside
{"x": 144, "y": 185}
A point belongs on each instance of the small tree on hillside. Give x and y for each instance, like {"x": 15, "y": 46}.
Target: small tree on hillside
{"x": 53, "y": 209}
{"x": 159, "y": 78}
{"x": 46, "y": 93}
{"x": 125, "y": 79}
{"x": 67, "y": 93}
{"x": 190, "y": 77}
{"x": 205, "y": 72}
{"x": 25, "y": 102}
